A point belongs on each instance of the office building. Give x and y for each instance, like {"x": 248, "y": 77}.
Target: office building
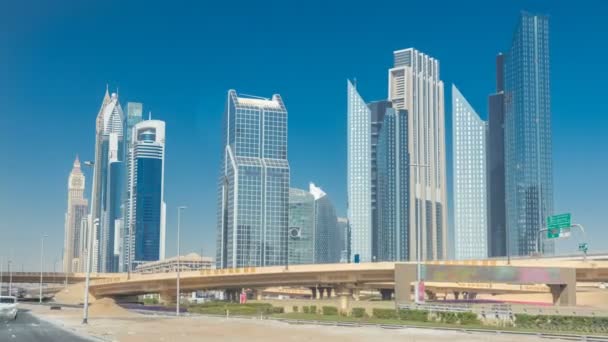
{"x": 497, "y": 232}
{"x": 470, "y": 179}
{"x": 393, "y": 187}
{"x": 344, "y": 241}
{"x": 134, "y": 116}
{"x": 106, "y": 185}
{"x": 301, "y": 244}
{"x": 528, "y": 165}
{"x": 76, "y": 212}
{"x": 253, "y": 198}
{"x": 415, "y": 86}
{"x": 359, "y": 175}
{"x": 326, "y": 228}
{"x": 147, "y": 189}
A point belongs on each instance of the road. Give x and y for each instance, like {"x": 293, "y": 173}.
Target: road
{"x": 28, "y": 328}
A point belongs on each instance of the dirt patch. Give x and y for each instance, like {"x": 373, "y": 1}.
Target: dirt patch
{"x": 107, "y": 307}
{"x": 73, "y": 294}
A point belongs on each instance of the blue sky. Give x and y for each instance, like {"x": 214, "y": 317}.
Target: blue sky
{"x": 180, "y": 58}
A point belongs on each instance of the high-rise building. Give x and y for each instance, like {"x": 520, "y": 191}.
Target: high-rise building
{"x": 326, "y": 229}
{"x": 147, "y": 189}
{"x": 470, "y": 179}
{"x": 344, "y": 241}
{"x": 415, "y": 85}
{"x": 393, "y": 187}
{"x": 497, "y": 227}
{"x": 106, "y": 184}
{"x": 359, "y": 175}
{"x": 134, "y": 116}
{"x": 253, "y": 208}
{"x": 301, "y": 244}
{"x": 528, "y": 165}
{"x": 76, "y": 212}
{"x": 377, "y": 111}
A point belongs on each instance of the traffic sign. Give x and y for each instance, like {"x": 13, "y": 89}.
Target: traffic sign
{"x": 558, "y": 226}
{"x": 583, "y": 247}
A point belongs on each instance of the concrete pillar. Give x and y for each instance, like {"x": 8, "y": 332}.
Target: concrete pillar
{"x": 257, "y": 293}
{"x": 318, "y": 294}
{"x": 356, "y": 293}
{"x": 456, "y": 295}
{"x": 321, "y": 292}
{"x": 313, "y": 291}
{"x": 563, "y": 295}
{"x": 167, "y": 297}
{"x": 405, "y": 275}
{"x": 386, "y": 294}
{"x": 344, "y": 294}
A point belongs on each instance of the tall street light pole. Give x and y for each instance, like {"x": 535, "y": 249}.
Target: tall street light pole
{"x": 89, "y": 256}
{"x": 10, "y": 278}
{"x": 41, "y": 264}
{"x": 1, "y": 275}
{"x": 418, "y": 248}
{"x": 179, "y": 214}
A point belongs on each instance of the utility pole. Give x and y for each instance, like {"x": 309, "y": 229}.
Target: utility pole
{"x": 41, "y": 265}
{"x": 179, "y": 214}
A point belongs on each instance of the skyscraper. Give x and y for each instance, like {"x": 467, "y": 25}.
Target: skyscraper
{"x": 359, "y": 175}
{"x": 415, "y": 85}
{"x": 497, "y": 228}
{"x": 108, "y": 149}
{"x": 134, "y": 116}
{"x": 344, "y": 241}
{"x": 301, "y": 244}
{"x": 76, "y": 212}
{"x": 147, "y": 189}
{"x": 377, "y": 111}
{"x": 528, "y": 165}
{"x": 393, "y": 187}
{"x": 253, "y": 208}
{"x": 326, "y": 229}
{"x": 470, "y": 179}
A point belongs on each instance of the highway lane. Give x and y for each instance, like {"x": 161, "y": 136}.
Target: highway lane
{"x": 28, "y": 328}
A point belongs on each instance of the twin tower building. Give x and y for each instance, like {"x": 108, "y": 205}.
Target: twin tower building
{"x": 125, "y": 225}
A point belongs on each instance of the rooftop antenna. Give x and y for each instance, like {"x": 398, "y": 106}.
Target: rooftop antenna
{"x": 355, "y": 82}
{"x": 150, "y": 115}
{"x": 255, "y": 97}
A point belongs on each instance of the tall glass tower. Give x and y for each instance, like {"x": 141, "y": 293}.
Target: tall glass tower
{"x": 253, "y": 199}
{"x": 528, "y": 165}
{"x": 108, "y": 149}
{"x": 359, "y": 175}
{"x": 470, "y": 179}
{"x": 301, "y": 227}
{"x": 147, "y": 186}
{"x": 326, "y": 229}
{"x": 393, "y": 187}
{"x": 415, "y": 85}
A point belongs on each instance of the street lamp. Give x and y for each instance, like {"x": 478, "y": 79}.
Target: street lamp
{"x": 10, "y": 278}
{"x": 179, "y": 214}
{"x": 1, "y": 276}
{"x": 418, "y": 249}
{"x": 85, "y": 318}
{"x": 41, "y": 264}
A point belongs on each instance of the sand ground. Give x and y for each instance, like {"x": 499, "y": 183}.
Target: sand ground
{"x": 111, "y": 323}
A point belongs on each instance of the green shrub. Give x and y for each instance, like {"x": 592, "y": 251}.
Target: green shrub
{"x": 219, "y": 308}
{"x": 295, "y": 308}
{"x": 330, "y": 310}
{"x": 150, "y": 301}
{"x": 414, "y": 315}
{"x": 384, "y": 313}
{"x": 305, "y": 309}
{"x": 313, "y": 309}
{"x": 448, "y": 317}
{"x": 278, "y": 310}
{"x": 467, "y": 318}
{"x": 562, "y": 323}
{"x": 358, "y": 312}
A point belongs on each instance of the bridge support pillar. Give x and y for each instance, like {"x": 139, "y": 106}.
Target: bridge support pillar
{"x": 344, "y": 294}
{"x": 257, "y": 294}
{"x": 386, "y": 294}
{"x": 313, "y": 291}
{"x": 356, "y": 294}
{"x": 167, "y": 297}
{"x": 563, "y": 295}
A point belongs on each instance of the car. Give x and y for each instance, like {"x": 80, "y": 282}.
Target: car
{"x": 8, "y": 307}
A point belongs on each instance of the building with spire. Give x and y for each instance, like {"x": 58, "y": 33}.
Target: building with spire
{"x": 77, "y": 211}
{"x": 107, "y": 189}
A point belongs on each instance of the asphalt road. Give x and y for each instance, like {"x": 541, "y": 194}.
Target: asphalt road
{"x": 28, "y": 328}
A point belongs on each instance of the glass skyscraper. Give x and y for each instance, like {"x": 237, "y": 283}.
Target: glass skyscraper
{"x": 470, "y": 179}
{"x": 497, "y": 227}
{"x": 253, "y": 208}
{"x": 301, "y": 245}
{"x": 415, "y": 85}
{"x": 528, "y": 165}
{"x": 326, "y": 229}
{"x": 393, "y": 187}
{"x": 359, "y": 174}
{"x": 108, "y": 149}
{"x": 147, "y": 187}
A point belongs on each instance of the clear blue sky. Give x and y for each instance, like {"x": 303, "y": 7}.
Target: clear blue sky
{"x": 180, "y": 58}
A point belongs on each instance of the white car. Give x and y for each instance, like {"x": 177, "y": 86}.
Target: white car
{"x": 8, "y": 307}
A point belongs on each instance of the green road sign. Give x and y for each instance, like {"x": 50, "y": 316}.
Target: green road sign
{"x": 556, "y": 223}
{"x": 583, "y": 247}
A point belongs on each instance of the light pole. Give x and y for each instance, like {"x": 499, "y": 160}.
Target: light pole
{"x": 1, "y": 275}
{"x": 179, "y": 214}
{"x": 41, "y": 264}
{"x": 10, "y": 278}
{"x": 85, "y": 318}
{"x": 418, "y": 248}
